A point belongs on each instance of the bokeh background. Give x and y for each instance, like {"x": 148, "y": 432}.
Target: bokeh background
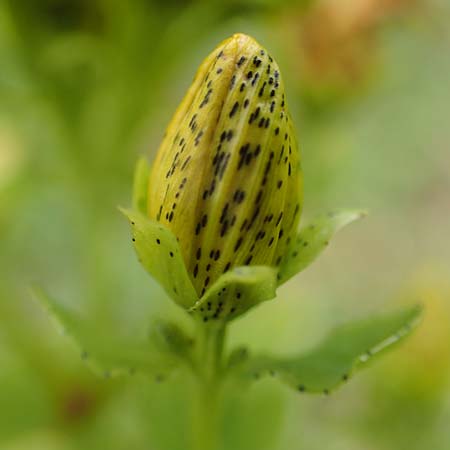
{"x": 86, "y": 86}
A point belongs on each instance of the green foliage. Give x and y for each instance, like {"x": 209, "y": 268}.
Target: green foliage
{"x": 158, "y": 251}
{"x": 140, "y": 186}
{"x": 106, "y": 354}
{"x": 172, "y": 339}
{"x": 347, "y": 349}
{"x": 312, "y": 239}
{"x": 85, "y": 87}
{"x": 236, "y": 291}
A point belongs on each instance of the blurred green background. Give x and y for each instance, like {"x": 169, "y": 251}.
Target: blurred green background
{"x": 86, "y": 86}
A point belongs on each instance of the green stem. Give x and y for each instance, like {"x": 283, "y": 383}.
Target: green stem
{"x": 210, "y": 370}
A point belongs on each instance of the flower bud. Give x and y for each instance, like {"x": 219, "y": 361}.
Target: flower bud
{"x": 227, "y": 177}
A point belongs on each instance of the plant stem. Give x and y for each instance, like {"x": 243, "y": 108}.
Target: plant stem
{"x": 210, "y": 370}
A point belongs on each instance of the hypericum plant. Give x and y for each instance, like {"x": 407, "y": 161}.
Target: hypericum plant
{"x": 215, "y": 223}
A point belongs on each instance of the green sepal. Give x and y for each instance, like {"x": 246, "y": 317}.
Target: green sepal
{"x": 312, "y": 239}
{"x": 106, "y": 354}
{"x": 346, "y": 349}
{"x": 159, "y": 252}
{"x": 236, "y": 291}
{"x": 140, "y": 185}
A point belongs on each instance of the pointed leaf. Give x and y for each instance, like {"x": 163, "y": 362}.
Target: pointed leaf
{"x": 345, "y": 350}
{"x": 140, "y": 185}
{"x": 312, "y": 240}
{"x": 158, "y": 251}
{"x": 107, "y": 355}
{"x": 236, "y": 291}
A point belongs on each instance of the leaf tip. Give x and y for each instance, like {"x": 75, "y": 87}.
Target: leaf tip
{"x": 123, "y": 210}
{"x": 128, "y": 213}
{"x": 417, "y": 312}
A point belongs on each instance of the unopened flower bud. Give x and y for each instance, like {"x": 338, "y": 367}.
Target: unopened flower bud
{"x": 227, "y": 177}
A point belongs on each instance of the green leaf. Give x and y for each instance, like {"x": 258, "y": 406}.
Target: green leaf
{"x": 107, "y": 355}
{"x": 170, "y": 338}
{"x": 347, "y": 349}
{"x": 236, "y": 291}
{"x": 312, "y": 240}
{"x": 238, "y": 356}
{"x": 158, "y": 251}
{"x": 140, "y": 185}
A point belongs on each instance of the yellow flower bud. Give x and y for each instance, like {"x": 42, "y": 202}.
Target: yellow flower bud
{"x": 227, "y": 178}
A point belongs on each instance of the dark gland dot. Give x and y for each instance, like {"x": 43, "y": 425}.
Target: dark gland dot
{"x": 241, "y": 61}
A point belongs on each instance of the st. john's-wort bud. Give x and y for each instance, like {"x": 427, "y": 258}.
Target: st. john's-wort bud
{"x": 227, "y": 178}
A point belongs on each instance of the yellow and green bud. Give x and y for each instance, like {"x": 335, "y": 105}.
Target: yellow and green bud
{"x": 227, "y": 178}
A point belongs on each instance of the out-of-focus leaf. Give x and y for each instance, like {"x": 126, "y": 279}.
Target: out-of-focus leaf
{"x": 171, "y": 338}
{"x": 38, "y": 440}
{"x": 346, "y": 350}
{"x": 158, "y": 251}
{"x": 107, "y": 355}
{"x": 140, "y": 186}
{"x": 312, "y": 240}
{"x": 236, "y": 291}
{"x": 237, "y": 357}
